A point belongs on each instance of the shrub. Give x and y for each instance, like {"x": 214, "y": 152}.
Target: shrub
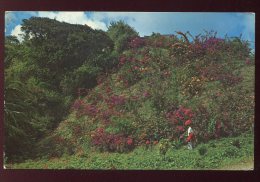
{"x": 231, "y": 152}
{"x": 164, "y": 146}
{"x": 177, "y": 143}
{"x": 236, "y": 143}
{"x": 203, "y": 150}
{"x": 121, "y": 33}
{"x": 106, "y": 141}
{"x": 177, "y": 118}
{"x": 136, "y": 42}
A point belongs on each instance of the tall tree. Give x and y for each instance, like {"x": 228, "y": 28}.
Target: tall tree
{"x": 42, "y": 74}
{"x": 121, "y": 33}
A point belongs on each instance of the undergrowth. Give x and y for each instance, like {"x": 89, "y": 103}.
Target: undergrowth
{"x": 219, "y": 153}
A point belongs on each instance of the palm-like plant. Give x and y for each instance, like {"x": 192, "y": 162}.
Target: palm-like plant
{"x": 18, "y": 123}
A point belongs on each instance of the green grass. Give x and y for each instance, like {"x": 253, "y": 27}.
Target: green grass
{"x": 219, "y": 153}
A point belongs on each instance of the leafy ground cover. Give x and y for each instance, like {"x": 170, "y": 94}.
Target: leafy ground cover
{"x": 220, "y": 154}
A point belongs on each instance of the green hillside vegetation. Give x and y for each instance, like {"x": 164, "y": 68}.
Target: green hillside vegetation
{"x": 89, "y": 99}
{"x": 219, "y": 154}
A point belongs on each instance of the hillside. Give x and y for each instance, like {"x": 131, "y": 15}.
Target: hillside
{"x": 127, "y": 93}
{"x": 160, "y": 83}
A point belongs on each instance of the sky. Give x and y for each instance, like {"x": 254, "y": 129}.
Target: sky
{"x": 145, "y": 23}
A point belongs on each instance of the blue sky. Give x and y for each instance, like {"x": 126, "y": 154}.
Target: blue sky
{"x": 230, "y": 24}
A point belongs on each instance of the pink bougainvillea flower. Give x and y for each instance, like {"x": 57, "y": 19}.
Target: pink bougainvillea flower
{"x": 129, "y": 141}
{"x": 187, "y": 111}
{"x": 188, "y": 122}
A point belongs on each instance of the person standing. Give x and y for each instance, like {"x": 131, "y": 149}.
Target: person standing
{"x": 190, "y": 136}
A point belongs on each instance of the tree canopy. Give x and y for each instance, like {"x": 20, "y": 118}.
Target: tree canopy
{"x": 43, "y": 73}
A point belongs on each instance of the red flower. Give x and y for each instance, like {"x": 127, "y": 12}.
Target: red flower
{"x": 147, "y": 142}
{"x": 187, "y": 111}
{"x": 178, "y": 115}
{"x": 188, "y": 122}
{"x": 129, "y": 141}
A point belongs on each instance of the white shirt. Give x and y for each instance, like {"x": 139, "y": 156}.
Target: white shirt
{"x": 190, "y": 131}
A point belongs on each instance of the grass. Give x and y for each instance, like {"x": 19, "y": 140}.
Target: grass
{"x": 220, "y": 154}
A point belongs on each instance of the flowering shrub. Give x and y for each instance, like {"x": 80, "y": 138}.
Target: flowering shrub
{"x": 212, "y": 44}
{"x": 83, "y": 108}
{"x": 161, "y": 41}
{"x": 216, "y": 72}
{"x": 179, "y": 119}
{"x": 111, "y": 142}
{"x": 78, "y": 104}
{"x": 193, "y": 86}
{"x": 115, "y": 100}
{"x": 138, "y": 103}
{"x": 137, "y": 42}
{"x": 179, "y": 116}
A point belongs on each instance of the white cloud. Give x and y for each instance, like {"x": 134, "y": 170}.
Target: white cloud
{"x": 74, "y": 18}
{"x": 18, "y": 32}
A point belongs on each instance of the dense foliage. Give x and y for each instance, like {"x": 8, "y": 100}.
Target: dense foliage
{"x": 162, "y": 83}
{"x": 121, "y": 33}
{"x": 122, "y": 90}
{"x": 216, "y": 154}
{"x": 43, "y": 74}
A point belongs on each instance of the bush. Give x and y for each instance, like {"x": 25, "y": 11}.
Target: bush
{"x": 236, "y": 143}
{"x": 231, "y": 152}
{"x": 164, "y": 146}
{"x": 121, "y": 33}
{"x": 105, "y": 141}
{"x": 203, "y": 150}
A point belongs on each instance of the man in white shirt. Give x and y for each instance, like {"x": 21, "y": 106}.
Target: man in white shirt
{"x": 190, "y": 135}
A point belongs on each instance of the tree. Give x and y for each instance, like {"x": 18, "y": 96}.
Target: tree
{"x": 121, "y": 33}
{"x": 42, "y": 74}
{"x": 60, "y": 47}
{"x": 20, "y": 125}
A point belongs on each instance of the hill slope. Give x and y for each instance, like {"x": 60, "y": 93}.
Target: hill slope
{"x": 160, "y": 83}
